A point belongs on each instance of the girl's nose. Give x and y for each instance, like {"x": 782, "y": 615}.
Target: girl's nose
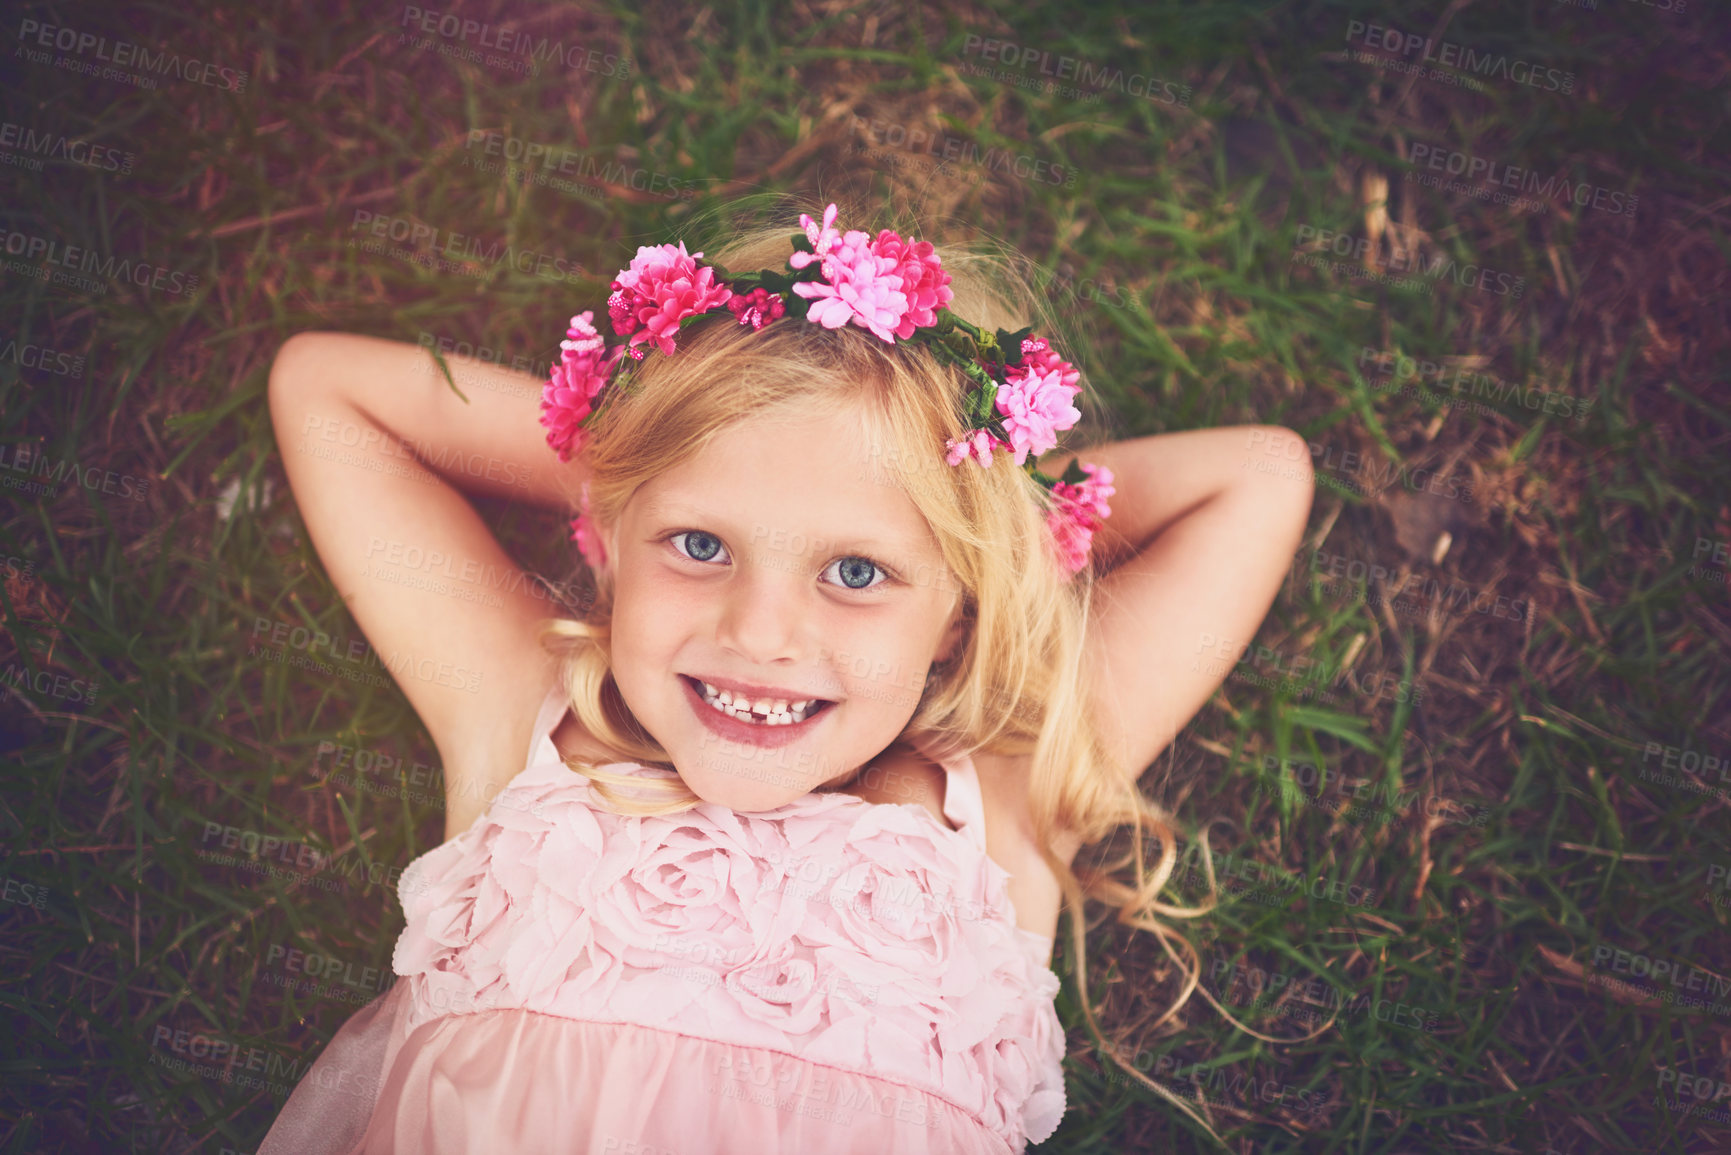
{"x": 762, "y": 612}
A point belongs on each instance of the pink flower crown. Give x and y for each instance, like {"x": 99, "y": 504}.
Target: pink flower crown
{"x": 1019, "y": 393}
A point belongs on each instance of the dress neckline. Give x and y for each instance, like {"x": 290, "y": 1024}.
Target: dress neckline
{"x": 964, "y": 805}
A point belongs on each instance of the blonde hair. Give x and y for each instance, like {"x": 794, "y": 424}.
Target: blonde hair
{"x": 1017, "y": 685}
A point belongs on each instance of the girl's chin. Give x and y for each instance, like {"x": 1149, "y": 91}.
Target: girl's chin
{"x": 744, "y": 789}
{"x": 745, "y": 783}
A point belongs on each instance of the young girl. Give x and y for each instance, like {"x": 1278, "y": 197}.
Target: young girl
{"x": 767, "y": 853}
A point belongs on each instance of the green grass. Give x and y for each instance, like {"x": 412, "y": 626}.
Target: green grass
{"x": 1434, "y": 821}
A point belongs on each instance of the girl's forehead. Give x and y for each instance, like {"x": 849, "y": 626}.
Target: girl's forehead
{"x": 830, "y": 442}
{"x": 811, "y": 472}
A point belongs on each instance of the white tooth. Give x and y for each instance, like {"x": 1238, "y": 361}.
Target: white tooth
{"x": 798, "y": 706}
{"x": 761, "y": 706}
{"x": 781, "y": 705}
{"x": 708, "y": 690}
{"x": 726, "y": 697}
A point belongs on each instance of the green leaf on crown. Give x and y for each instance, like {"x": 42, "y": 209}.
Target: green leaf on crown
{"x": 979, "y": 405}
{"x": 720, "y": 310}
{"x": 1011, "y": 344}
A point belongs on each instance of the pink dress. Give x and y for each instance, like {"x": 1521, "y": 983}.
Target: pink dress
{"x": 831, "y": 976}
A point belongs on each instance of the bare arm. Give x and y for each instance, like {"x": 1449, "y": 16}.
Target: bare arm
{"x": 1197, "y": 545}
{"x": 446, "y": 610}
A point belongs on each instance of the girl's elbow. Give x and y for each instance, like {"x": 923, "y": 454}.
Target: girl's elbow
{"x": 306, "y": 359}
{"x": 1276, "y": 453}
{"x": 290, "y": 363}
{"x": 1280, "y": 478}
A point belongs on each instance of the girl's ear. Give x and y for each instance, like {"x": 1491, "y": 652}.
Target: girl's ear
{"x": 612, "y": 547}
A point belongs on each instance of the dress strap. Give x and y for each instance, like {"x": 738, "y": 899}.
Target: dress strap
{"x": 553, "y": 707}
{"x": 964, "y": 806}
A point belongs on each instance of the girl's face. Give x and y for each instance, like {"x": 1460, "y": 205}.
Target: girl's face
{"x": 779, "y": 564}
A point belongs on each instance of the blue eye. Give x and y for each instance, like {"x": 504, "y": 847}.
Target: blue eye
{"x": 856, "y": 572}
{"x": 702, "y": 546}
{"x": 853, "y": 573}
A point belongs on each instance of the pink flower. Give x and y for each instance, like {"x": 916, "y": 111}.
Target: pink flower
{"x": 757, "y": 308}
{"x": 888, "y": 285}
{"x": 1037, "y": 353}
{"x": 823, "y": 238}
{"x": 924, "y": 282}
{"x": 1036, "y": 406}
{"x": 1079, "y": 511}
{"x": 663, "y": 285}
{"x": 622, "y": 308}
{"x": 859, "y": 284}
{"x": 582, "y": 341}
{"x": 978, "y": 444}
{"x": 1091, "y": 494}
{"x": 572, "y": 386}
{"x": 1073, "y": 538}
{"x": 584, "y": 533}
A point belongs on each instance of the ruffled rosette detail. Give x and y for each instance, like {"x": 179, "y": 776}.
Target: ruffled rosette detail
{"x": 865, "y": 937}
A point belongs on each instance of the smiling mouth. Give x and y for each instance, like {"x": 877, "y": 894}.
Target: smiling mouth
{"x": 759, "y": 711}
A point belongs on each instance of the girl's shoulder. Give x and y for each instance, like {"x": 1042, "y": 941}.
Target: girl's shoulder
{"x": 1011, "y": 843}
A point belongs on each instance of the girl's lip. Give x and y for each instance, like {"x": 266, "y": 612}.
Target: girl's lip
{"x": 751, "y": 733}
{"x": 756, "y": 692}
